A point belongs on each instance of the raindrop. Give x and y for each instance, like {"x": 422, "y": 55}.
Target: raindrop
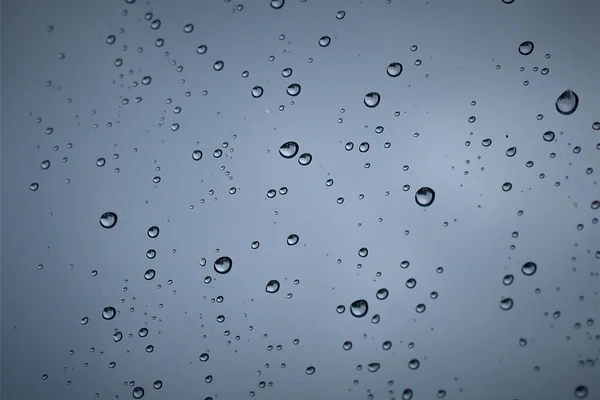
{"x": 386, "y": 345}
{"x": 340, "y": 14}
{"x": 153, "y": 231}
{"x": 146, "y": 80}
{"x": 382, "y": 294}
{"x": 272, "y": 286}
{"x": 425, "y": 196}
{"x": 201, "y": 49}
{"x": 197, "y": 155}
{"x": 218, "y": 65}
{"x": 257, "y": 91}
{"x": 364, "y": 147}
{"x": 289, "y": 149}
{"x": 34, "y": 186}
{"x": 347, "y": 345}
{"x": 100, "y": 162}
{"x": 292, "y": 239}
{"x": 45, "y": 164}
{"x": 109, "y": 313}
{"x": 293, "y": 89}
{"x": 138, "y": 392}
{"x": 407, "y": 394}
{"x": 394, "y": 69}
{"x": 372, "y": 99}
{"x": 117, "y": 336}
{"x": 305, "y": 159}
{"x": 506, "y": 304}
{"x": 486, "y": 142}
{"x": 567, "y": 103}
{"x": 310, "y": 370}
{"x": 157, "y": 384}
{"x": 340, "y": 309}
{"x": 324, "y": 41}
{"x": 526, "y": 48}
{"x": 188, "y": 28}
{"x": 506, "y": 186}
{"x": 511, "y": 151}
{"x": 508, "y": 279}
{"x": 411, "y": 283}
{"x": 223, "y": 265}
{"x": 204, "y": 357}
{"x": 363, "y": 252}
{"x": 529, "y": 268}
{"x": 110, "y": 39}
{"x": 108, "y": 220}
{"x": 359, "y": 308}
{"x": 548, "y": 136}
{"x": 581, "y": 392}
{"x": 149, "y": 274}
{"x": 277, "y": 4}
{"x": 414, "y": 364}
{"x": 373, "y": 367}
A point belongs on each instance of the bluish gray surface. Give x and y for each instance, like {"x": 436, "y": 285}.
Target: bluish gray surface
{"x": 66, "y": 99}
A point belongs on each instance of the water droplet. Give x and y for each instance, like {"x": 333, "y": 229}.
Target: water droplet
{"x": 407, "y": 394}
{"x": 411, "y": 283}
{"x": 292, "y": 239}
{"x": 363, "y": 252}
{"x": 143, "y": 332}
{"x": 204, "y": 357}
{"x": 372, "y": 99}
{"x": 223, "y": 265}
{"x": 506, "y": 186}
{"x": 289, "y": 149}
{"x": 272, "y": 286}
{"x": 508, "y": 279}
{"x": 414, "y": 364}
{"x": 197, "y": 155}
{"x": 506, "y": 304}
{"x": 153, "y": 231}
{"x": 526, "y": 48}
{"x": 84, "y": 320}
{"x": 146, "y": 80}
{"x": 151, "y": 254}
{"x": 529, "y": 268}
{"x": 324, "y": 41}
{"x": 359, "y": 308}
{"x": 595, "y": 204}
{"x": 149, "y": 274}
{"x": 277, "y": 4}
{"x": 486, "y": 142}
{"x": 157, "y": 384}
{"x": 420, "y": 308}
{"x": 45, "y": 164}
{"x": 108, "y": 220}
{"x": 305, "y": 159}
{"x": 394, "y": 69}
{"x": 293, "y": 89}
{"x": 310, "y": 370}
{"x": 548, "y": 136}
{"x": 567, "y": 103}
{"x": 340, "y": 14}
{"x": 596, "y": 126}
{"x": 382, "y": 294}
{"x": 257, "y": 91}
{"x": 581, "y": 392}
{"x": 255, "y": 245}
{"x": 218, "y": 65}
{"x": 201, "y": 49}
{"x": 138, "y": 392}
{"x": 511, "y": 151}
{"x": 110, "y": 39}
{"x": 373, "y": 367}
{"x": 347, "y": 345}
{"x": 188, "y": 28}
{"x": 100, "y": 162}
{"x": 109, "y": 313}
{"x": 363, "y": 147}
{"x": 117, "y": 336}
{"x": 286, "y": 72}
{"x": 425, "y": 196}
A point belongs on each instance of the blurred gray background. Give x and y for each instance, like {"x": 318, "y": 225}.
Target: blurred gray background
{"x": 72, "y": 95}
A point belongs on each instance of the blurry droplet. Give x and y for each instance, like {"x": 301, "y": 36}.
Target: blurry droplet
{"x": 277, "y": 4}
{"x": 506, "y": 304}
{"x": 138, "y": 392}
{"x": 581, "y": 392}
{"x": 110, "y": 39}
{"x": 340, "y": 14}
{"x": 157, "y": 384}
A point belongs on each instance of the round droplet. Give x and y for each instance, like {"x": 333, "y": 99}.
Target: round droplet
{"x": 407, "y": 394}
{"x": 218, "y": 65}
{"x": 394, "y": 69}
{"x": 277, "y": 4}
{"x": 146, "y": 80}
{"x": 414, "y": 364}
{"x": 310, "y": 370}
{"x": 157, "y": 384}
{"x": 526, "y": 48}
{"x": 153, "y": 231}
{"x": 548, "y": 136}
{"x": 529, "y": 268}
{"x": 188, "y": 28}
{"x": 486, "y": 142}
{"x": 108, "y": 220}
{"x": 363, "y": 147}
{"x": 138, "y": 392}
{"x": 511, "y": 151}
{"x": 508, "y": 279}
{"x": 506, "y": 304}
{"x": 596, "y": 126}
{"x": 411, "y": 283}
{"x": 347, "y": 345}
{"x": 324, "y": 41}
{"x": 201, "y": 49}
{"x": 117, "y": 336}
{"x": 257, "y": 91}
{"x": 382, "y": 294}
{"x": 255, "y": 244}
{"x": 223, "y": 265}
{"x": 363, "y": 252}
{"x": 567, "y": 103}
{"x": 197, "y": 155}
{"x": 595, "y": 204}
{"x": 286, "y": 72}
{"x": 372, "y": 99}
{"x": 340, "y": 14}
{"x": 506, "y": 186}
{"x": 581, "y": 392}
{"x": 84, "y": 320}
{"x": 305, "y": 159}
{"x": 293, "y": 89}
{"x": 373, "y": 367}
{"x": 272, "y": 286}
{"x": 425, "y": 196}
{"x": 34, "y": 186}
{"x": 292, "y": 239}
{"x": 149, "y": 274}
{"x": 204, "y": 357}
{"x": 289, "y": 149}
{"x": 359, "y": 308}
{"x": 109, "y": 313}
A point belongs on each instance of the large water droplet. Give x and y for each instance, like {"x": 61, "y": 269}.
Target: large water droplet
{"x": 372, "y": 99}
{"x": 108, "y": 220}
{"x": 414, "y": 364}
{"x": 394, "y": 69}
{"x": 109, "y": 313}
{"x": 257, "y": 91}
{"x": 526, "y": 48}
{"x": 567, "y": 103}
{"x": 138, "y": 392}
{"x": 153, "y": 232}
{"x": 407, "y": 394}
{"x": 289, "y": 149}
{"x": 529, "y": 268}
{"x": 292, "y": 239}
{"x": 324, "y": 41}
{"x": 581, "y": 392}
{"x": 293, "y": 89}
{"x": 373, "y": 367}
{"x": 359, "y": 308}
{"x": 272, "y": 286}
{"x": 223, "y": 265}
{"x": 277, "y": 4}
{"x": 149, "y": 274}
{"x": 382, "y": 294}
{"x": 425, "y": 196}
{"x": 506, "y": 304}
{"x": 548, "y": 136}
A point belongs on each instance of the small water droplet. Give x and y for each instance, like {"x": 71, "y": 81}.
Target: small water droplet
{"x": 340, "y": 14}
{"x": 511, "y": 151}
{"x": 277, "y": 4}
{"x": 201, "y": 49}
{"x": 153, "y": 231}
{"x": 382, "y": 294}
{"x": 548, "y": 136}
{"x": 414, "y": 364}
{"x": 347, "y": 345}
{"x": 324, "y": 41}
{"x": 138, "y": 392}
{"x": 506, "y": 304}
{"x": 157, "y": 384}
{"x": 581, "y": 392}
{"x": 257, "y": 91}
{"x": 508, "y": 279}
{"x": 218, "y": 65}
{"x": 506, "y": 186}
{"x": 305, "y": 159}
{"x": 310, "y": 370}
{"x": 373, "y": 367}
{"x": 110, "y": 39}
{"x": 188, "y": 28}
{"x": 197, "y": 155}
{"x": 289, "y": 149}
{"x": 149, "y": 274}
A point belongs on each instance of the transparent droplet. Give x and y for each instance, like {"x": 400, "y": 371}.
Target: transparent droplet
{"x": 407, "y": 394}
{"x": 526, "y": 48}
{"x": 425, "y": 196}
{"x": 289, "y": 149}
{"x": 197, "y": 155}
{"x": 529, "y": 268}
{"x": 359, "y": 308}
{"x": 100, "y": 162}
{"x": 340, "y": 14}
{"x": 511, "y": 151}
{"x": 305, "y": 159}
{"x": 201, "y": 49}
{"x": 414, "y": 364}
{"x": 506, "y": 304}
{"x": 394, "y": 69}
{"x": 117, "y": 336}
{"x": 218, "y": 65}
{"x": 596, "y": 126}
{"x": 372, "y": 99}
{"x": 277, "y": 4}
{"x": 272, "y": 286}
{"x": 347, "y": 345}
{"x": 138, "y": 392}
{"x": 109, "y": 313}
{"x": 257, "y": 91}
{"x": 149, "y": 274}
{"x": 508, "y": 279}
{"x": 324, "y": 41}
{"x": 292, "y": 239}
{"x": 373, "y": 367}
{"x": 84, "y": 320}
{"x": 108, "y": 220}
{"x": 153, "y": 231}
{"x": 382, "y": 294}
{"x": 506, "y": 186}
{"x": 363, "y": 147}
{"x": 548, "y": 136}
{"x": 581, "y": 392}
{"x": 151, "y": 254}
{"x": 567, "y": 102}
{"x": 310, "y": 370}
{"x": 595, "y": 204}
{"x": 204, "y": 357}
{"x": 293, "y": 89}
{"x": 157, "y": 384}
{"x": 411, "y": 283}
{"x": 363, "y": 252}
{"x": 223, "y": 265}
{"x": 188, "y": 28}
{"x": 486, "y": 142}
{"x": 146, "y": 80}
{"x": 286, "y": 72}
